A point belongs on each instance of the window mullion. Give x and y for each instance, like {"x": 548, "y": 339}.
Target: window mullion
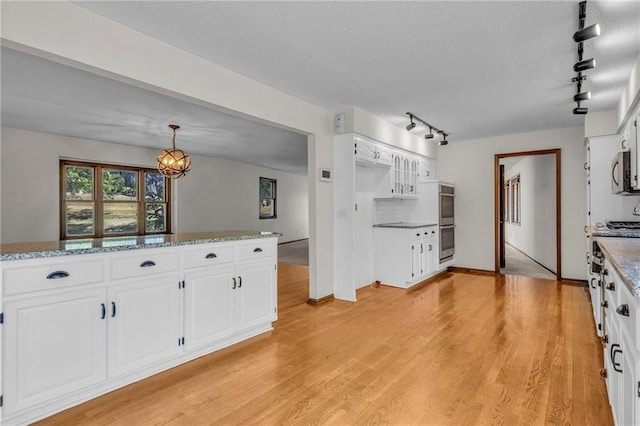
{"x": 98, "y": 199}
{"x": 141, "y": 205}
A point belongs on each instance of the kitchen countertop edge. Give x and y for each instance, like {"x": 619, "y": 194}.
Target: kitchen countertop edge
{"x": 37, "y": 250}
{"x": 624, "y": 255}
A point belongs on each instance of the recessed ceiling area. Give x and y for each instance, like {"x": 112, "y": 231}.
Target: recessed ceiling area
{"x": 44, "y": 96}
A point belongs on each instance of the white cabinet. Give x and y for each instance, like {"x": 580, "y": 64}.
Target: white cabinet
{"x": 621, "y": 349}
{"x": 404, "y": 256}
{"x": 53, "y": 344}
{"x": 223, "y": 297}
{"x": 209, "y": 305}
{"x": 371, "y": 153}
{"x": 144, "y": 323}
{"x": 426, "y": 169}
{"x": 77, "y": 328}
{"x": 404, "y": 176}
{"x": 255, "y": 295}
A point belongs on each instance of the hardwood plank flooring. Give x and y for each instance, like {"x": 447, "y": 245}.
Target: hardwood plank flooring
{"x": 467, "y": 349}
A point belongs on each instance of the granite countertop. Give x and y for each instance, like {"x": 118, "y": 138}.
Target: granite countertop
{"x": 404, "y": 225}
{"x": 33, "y": 250}
{"x": 624, "y": 255}
{"x": 616, "y": 233}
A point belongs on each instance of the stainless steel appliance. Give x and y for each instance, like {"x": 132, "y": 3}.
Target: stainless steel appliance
{"x": 446, "y": 222}
{"x": 627, "y": 224}
{"x": 621, "y": 174}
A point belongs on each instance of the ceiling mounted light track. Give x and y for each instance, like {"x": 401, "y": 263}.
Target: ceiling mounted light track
{"x": 582, "y": 65}
{"x": 429, "y": 135}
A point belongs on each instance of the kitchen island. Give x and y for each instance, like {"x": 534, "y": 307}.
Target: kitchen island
{"x": 84, "y": 317}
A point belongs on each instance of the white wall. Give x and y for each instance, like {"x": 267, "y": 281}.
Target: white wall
{"x": 469, "y": 164}
{"x": 535, "y": 235}
{"x": 600, "y": 123}
{"x": 69, "y": 34}
{"x": 216, "y": 194}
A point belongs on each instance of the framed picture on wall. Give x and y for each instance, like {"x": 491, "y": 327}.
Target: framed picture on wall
{"x": 267, "y": 198}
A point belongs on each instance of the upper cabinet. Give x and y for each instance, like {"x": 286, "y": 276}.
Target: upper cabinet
{"x": 369, "y": 153}
{"x": 426, "y": 169}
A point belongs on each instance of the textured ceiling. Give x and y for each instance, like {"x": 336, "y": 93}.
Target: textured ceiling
{"x": 473, "y": 69}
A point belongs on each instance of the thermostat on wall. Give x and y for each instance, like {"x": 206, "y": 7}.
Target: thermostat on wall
{"x": 325, "y": 175}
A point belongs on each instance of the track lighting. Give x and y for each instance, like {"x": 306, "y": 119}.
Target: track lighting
{"x": 587, "y": 33}
{"x": 429, "y": 135}
{"x": 444, "y": 140}
{"x": 587, "y": 64}
{"x": 411, "y": 125}
{"x": 584, "y": 96}
{"x": 579, "y": 37}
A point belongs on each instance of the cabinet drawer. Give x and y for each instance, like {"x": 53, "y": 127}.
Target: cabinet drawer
{"x": 628, "y": 323}
{"x": 208, "y": 255}
{"x": 148, "y": 262}
{"x": 256, "y": 249}
{"x": 51, "y": 276}
{"x": 418, "y": 233}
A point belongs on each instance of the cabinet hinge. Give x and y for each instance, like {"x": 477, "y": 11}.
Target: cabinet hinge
{"x": 2, "y": 318}
{"x": 638, "y": 394}
{"x": 1, "y": 400}
{"x": 600, "y": 327}
{"x": 275, "y": 267}
{"x": 275, "y": 310}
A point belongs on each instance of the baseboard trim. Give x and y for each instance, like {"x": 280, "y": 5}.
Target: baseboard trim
{"x": 428, "y": 281}
{"x": 323, "y": 299}
{"x": 575, "y": 283}
{"x": 470, "y": 271}
{"x": 293, "y": 241}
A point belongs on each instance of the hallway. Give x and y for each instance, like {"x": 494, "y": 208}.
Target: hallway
{"x": 517, "y": 263}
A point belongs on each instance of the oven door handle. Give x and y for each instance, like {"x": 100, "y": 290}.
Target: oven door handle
{"x": 447, "y": 226}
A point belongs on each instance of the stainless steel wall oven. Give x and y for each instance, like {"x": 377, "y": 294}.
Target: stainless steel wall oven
{"x": 446, "y": 222}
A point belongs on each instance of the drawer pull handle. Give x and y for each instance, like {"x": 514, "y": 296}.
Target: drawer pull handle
{"x": 257, "y": 250}
{"x": 147, "y": 264}
{"x": 211, "y": 256}
{"x": 113, "y": 309}
{"x": 104, "y": 311}
{"x": 57, "y": 275}
{"x": 611, "y": 286}
{"x": 234, "y": 283}
{"x": 623, "y": 310}
{"x": 239, "y": 282}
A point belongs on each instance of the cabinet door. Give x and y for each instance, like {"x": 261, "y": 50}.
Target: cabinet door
{"x": 144, "y": 323}
{"x": 53, "y": 345}
{"x": 629, "y": 390}
{"x": 365, "y": 151}
{"x": 255, "y": 293}
{"x": 385, "y": 156}
{"x": 396, "y": 176}
{"x": 416, "y": 259}
{"x": 209, "y": 305}
{"x": 431, "y": 259}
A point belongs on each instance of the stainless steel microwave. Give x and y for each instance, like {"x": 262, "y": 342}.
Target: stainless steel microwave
{"x": 621, "y": 174}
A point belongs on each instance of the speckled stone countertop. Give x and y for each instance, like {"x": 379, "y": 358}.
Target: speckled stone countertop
{"x": 404, "y": 225}
{"x": 33, "y": 250}
{"x": 624, "y": 255}
{"x": 617, "y": 233}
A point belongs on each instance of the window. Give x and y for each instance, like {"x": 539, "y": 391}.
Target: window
{"x": 103, "y": 200}
{"x": 515, "y": 199}
{"x": 267, "y": 198}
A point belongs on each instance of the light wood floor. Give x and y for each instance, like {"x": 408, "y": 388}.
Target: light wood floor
{"x": 465, "y": 350}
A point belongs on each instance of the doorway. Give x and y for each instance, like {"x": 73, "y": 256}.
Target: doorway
{"x": 527, "y": 213}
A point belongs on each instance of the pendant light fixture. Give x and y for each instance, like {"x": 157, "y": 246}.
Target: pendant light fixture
{"x": 173, "y": 162}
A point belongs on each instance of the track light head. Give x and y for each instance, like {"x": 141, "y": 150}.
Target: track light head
{"x": 584, "y": 96}
{"x": 444, "y": 140}
{"x": 411, "y": 125}
{"x": 580, "y": 110}
{"x": 429, "y": 135}
{"x": 587, "y": 64}
{"x": 587, "y": 33}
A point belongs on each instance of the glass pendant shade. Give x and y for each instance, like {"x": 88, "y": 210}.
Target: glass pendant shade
{"x": 173, "y": 162}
